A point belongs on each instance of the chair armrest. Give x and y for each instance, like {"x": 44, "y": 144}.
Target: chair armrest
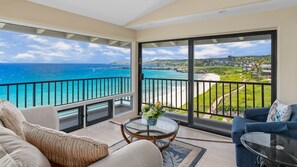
{"x": 266, "y": 127}
{"x": 140, "y": 153}
{"x": 257, "y": 114}
{"x": 45, "y": 116}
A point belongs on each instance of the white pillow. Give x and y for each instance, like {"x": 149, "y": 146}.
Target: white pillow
{"x": 279, "y": 112}
{"x": 16, "y": 152}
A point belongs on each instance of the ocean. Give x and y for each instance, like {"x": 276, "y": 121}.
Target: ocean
{"x": 15, "y": 73}
{"x": 61, "y": 93}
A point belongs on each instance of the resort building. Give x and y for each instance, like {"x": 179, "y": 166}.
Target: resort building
{"x": 148, "y": 83}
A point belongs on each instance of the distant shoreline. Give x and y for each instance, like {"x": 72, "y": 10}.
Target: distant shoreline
{"x": 181, "y": 100}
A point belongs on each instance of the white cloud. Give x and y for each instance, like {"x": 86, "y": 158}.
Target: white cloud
{"x": 164, "y": 51}
{"x": 47, "y": 53}
{"x": 4, "y": 44}
{"x": 78, "y": 48}
{"x": 24, "y": 56}
{"x": 183, "y": 50}
{"x": 149, "y": 52}
{"x": 209, "y": 51}
{"x": 240, "y": 45}
{"x": 110, "y": 53}
{"x": 56, "y": 54}
{"x": 61, "y": 46}
{"x": 123, "y": 50}
{"x": 93, "y": 45}
{"x": 36, "y": 38}
{"x": 263, "y": 42}
{"x": 157, "y": 58}
{"x": 1, "y": 53}
{"x": 37, "y": 47}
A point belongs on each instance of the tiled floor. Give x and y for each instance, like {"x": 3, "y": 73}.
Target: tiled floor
{"x": 217, "y": 154}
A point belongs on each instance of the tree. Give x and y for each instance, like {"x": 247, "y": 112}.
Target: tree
{"x": 257, "y": 69}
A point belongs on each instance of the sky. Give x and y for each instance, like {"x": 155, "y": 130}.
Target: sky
{"x": 239, "y": 49}
{"x": 25, "y": 48}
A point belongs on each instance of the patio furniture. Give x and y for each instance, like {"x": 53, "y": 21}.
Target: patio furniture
{"x": 47, "y": 116}
{"x": 138, "y": 128}
{"x": 254, "y": 120}
{"x": 272, "y": 150}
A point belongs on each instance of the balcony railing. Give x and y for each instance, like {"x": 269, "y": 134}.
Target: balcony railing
{"x": 62, "y": 92}
{"x": 211, "y": 98}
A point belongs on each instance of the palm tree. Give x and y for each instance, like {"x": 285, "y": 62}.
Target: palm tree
{"x": 257, "y": 69}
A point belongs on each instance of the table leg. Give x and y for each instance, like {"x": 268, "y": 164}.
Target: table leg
{"x": 124, "y": 135}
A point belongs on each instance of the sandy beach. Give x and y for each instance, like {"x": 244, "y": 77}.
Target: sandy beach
{"x": 178, "y": 93}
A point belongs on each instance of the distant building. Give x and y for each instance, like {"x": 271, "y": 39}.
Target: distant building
{"x": 266, "y": 70}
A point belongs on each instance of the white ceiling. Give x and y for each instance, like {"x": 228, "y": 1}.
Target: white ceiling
{"x": 118, "y": 12}
{"x": 124, "y": 12}
{"x": 249, "y": 8}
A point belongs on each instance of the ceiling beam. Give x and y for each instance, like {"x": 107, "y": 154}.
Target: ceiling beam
{"x": 154, "y": 45}
{"x": 241, "y": 38}
{"x": 124, "y": 44}
{"x": 214, "y": 40}
{"x": 40, "y": 31}
{"x": 69, "y": 35}
{"x": 2, "y": 25}
{"x": 93, "y": 39}
{"x": 112, "y": 42}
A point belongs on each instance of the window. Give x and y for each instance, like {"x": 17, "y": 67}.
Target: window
{"x": 45, "y": 67}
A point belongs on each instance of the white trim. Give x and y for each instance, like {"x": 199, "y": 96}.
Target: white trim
{"x": 113, "y": 108}
{"x": 84, "y": 117}
{"x": 134, "y": 74}
{"x": 83, "y": 103}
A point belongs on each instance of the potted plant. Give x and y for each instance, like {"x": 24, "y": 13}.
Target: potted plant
{"x": 152, "y": 112}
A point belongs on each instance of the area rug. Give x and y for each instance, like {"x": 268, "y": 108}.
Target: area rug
{"x": 178, "y": 154}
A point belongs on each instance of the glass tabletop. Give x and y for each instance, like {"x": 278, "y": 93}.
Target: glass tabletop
{"x": 165, "y": 127}
{"x": 279, "y": 149}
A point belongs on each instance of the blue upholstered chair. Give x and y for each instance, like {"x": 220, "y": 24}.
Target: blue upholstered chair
{"x": 254, "y": 120}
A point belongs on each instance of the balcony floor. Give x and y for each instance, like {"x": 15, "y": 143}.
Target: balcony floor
{"x": 217, "y": 154}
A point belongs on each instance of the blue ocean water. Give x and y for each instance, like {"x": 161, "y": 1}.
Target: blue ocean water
{"x": 66, "y": 92}
{"x": 15, "y": 73}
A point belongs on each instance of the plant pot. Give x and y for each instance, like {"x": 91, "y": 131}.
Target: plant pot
{"x": 151, "y": 121}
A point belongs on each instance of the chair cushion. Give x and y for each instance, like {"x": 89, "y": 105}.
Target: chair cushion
{"x": 279, "y": 112}
{"x": 294, "y": 112}
{"x": 63, "y": 149}
{"x": 16, "y": 152}
{"x": 238, "y": 128}
{"x": 11, "y": 117}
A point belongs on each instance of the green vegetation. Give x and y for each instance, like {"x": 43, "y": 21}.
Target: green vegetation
{"x": 204, "y": 102}
{"x": 218, "y": 98}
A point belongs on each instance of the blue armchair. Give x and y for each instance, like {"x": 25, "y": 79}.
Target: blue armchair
{"x": 254, "y": 120}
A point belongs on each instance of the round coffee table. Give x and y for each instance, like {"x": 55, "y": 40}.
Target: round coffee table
{"x": 138, "y": 128}
{"x": 272, "y": 149}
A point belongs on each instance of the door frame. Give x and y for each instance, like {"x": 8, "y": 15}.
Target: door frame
{"x": 191, "y": 58}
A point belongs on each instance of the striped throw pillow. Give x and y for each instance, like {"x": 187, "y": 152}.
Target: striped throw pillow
{"x": 63, "y": 149}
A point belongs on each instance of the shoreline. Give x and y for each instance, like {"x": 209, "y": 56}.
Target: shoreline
{"x": 181, "y": 99}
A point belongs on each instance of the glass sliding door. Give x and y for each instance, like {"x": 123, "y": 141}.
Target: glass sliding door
{"x": 165, "y": 75}
{"x": 234, "y": 73}
{"x": 209, "y": 80}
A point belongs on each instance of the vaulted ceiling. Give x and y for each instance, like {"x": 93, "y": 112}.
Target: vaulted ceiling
{"x": 144, "y": 14}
